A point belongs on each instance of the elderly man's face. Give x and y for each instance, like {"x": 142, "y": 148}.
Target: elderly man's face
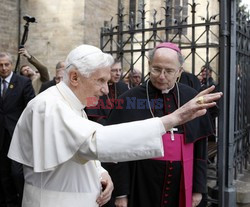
{"x": 136, "y": 79}
{"x": 164, "y": 68}
{"x": 116, "y": 72}
{"x": 94, "y": 86}
{"x": 5, "y": 67}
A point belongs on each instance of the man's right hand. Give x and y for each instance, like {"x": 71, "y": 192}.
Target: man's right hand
{"x": 24, "y": 52}
{"x": 194, "y": 108}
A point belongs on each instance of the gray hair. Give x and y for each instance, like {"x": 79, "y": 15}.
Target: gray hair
{"x": 59, "y": 65}
{"x": 6, "y": 54}
{"x": 117, "y": 60}
{"x": 135, "y": 71}
{"x": 152, "y": 53}
{"x": 86, "y": 59}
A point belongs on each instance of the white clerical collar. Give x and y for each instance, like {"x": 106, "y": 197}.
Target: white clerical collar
{"x": 167, "y": 90}
{"x": 70, "y": 96}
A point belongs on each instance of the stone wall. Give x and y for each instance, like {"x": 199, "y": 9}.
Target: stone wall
{"x": 57, "y": 31}
{"x": 8, "y": 26}
{"x": 96, "y": 12}
{"x": 61, "y": 26}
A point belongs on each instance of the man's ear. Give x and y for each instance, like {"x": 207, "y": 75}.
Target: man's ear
{"x": 73, "y": 77}
{"x": 181, "y": 69}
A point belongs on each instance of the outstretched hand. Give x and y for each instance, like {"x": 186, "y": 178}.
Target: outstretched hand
{"x": 194, "y": 108}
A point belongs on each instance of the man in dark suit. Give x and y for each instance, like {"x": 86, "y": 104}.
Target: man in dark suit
{"x": 16, "y": 92}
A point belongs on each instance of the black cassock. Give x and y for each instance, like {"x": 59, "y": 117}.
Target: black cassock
{"x": 156, "y": 183}
{"x": 190, "y": 80}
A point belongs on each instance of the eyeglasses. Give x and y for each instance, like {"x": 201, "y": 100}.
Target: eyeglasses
{"x": 167, "y": 72}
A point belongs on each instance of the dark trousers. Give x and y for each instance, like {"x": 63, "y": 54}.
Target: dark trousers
{"x": 11, "y": 177}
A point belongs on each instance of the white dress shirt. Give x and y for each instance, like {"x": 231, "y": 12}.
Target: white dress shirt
{"x": 7, "y": 82}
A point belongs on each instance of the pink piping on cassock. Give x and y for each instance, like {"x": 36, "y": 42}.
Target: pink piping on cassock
{"x": 177, "y": 150}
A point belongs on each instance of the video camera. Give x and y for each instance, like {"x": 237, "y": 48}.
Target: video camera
{"x": 29, "y": 18}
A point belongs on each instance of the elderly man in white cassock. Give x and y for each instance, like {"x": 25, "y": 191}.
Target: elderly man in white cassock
{"x": 61, "y": 150}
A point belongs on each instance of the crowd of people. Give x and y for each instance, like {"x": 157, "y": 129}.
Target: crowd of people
{"x": 86, "y": 138}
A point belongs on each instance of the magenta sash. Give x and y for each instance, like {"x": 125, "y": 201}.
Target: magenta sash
{"x": 177, "y": 150}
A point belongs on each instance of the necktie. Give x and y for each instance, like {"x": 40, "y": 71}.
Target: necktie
{"x": 4, "y": 84}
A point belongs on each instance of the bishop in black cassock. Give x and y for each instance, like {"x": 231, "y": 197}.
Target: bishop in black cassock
{"x": 171, "y": 180}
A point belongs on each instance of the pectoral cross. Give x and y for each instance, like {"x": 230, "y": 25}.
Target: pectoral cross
{"x": 172, "y": 133}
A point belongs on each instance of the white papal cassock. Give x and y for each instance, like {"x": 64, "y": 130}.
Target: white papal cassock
{"x": 60, "y": 148}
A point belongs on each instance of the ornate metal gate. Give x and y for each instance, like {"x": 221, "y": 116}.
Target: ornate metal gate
{"x": 211, "y": 33}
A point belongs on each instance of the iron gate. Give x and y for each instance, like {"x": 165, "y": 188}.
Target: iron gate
{"x": 211, "y": 33}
